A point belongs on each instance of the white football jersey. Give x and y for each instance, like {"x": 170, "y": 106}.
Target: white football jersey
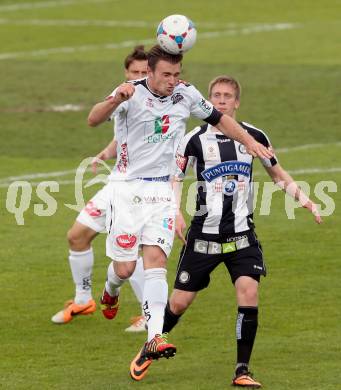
{"x": 150, "y": 127}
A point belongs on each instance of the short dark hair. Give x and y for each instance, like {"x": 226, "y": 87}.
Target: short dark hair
{"x": 138, "y": 54}
{"x": 225, "y": 80}
{"x": 157, "y": 54}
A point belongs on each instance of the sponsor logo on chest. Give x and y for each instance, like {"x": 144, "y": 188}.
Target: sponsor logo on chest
{"x": 227, "y": 168}
{"x": 160, "y": 130}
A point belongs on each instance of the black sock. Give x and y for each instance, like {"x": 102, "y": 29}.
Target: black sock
{"x": 170, "y": 319}
{"x": 246, "y": 329}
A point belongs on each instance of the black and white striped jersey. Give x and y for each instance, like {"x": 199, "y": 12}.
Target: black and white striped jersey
{"x": 223, "y": 170}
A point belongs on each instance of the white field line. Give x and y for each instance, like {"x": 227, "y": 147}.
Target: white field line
{"x": 115, "y": 23}
{"x": 131, "y": 43}
{"x": 38, "y": 175}
{"x": 308, "y": 171}
{"x": 7, "y": 180}
{"x": 71, "y": 171}
{"x": 83, "y": 48}
{"x": 306, "y": 146}
{"x": 79, "y": 23}
{"x": 46, "y": 4}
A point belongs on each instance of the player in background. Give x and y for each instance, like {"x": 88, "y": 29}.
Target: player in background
{"x": 222, "y": 231}
{"x": 151, "y": 116}
{"x": 91, "y": 221}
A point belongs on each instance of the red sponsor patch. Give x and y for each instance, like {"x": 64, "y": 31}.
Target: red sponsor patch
{"x": 126, "y": 241}
{"x": 181, "y": 161}
{"x": 167, "y": 223}
{"x": 92, "y": 210}
{"x": 123, "y": 161}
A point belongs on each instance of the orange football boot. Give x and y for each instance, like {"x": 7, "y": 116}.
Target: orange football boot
{"x": 72, "y": 309}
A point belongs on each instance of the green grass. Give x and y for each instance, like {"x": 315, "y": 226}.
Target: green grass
{"x": 290, "y": 82}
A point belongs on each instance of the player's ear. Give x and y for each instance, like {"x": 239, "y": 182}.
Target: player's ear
{"x": 237, "y": 104}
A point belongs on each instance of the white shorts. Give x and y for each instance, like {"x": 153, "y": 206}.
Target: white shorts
{"x": 94, "y": 213}
{"x": 139, "y": 212}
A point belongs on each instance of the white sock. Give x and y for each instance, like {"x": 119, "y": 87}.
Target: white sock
{"x": 113, "y": 283}
{"x": 137, "y": 281}
{"x": 81, "y": 264}
{"x": 155, "y": 296}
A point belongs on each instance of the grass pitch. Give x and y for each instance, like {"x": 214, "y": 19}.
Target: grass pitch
{"x": 287, "y": 58}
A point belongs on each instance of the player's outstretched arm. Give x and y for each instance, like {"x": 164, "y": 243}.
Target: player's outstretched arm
{"x": 233, "y": 130}
{"x": 110, "y": 151}
{"x": 102, "y": 111}
{"x": 282, "y": 178}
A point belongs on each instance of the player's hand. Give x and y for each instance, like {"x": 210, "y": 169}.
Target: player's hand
{"x": 312, "y": 207}
{"x": 180, "y": 226}
{"x": 102, "y": 156}
{"x": 256, "y": 149}
{"x": 124, "y": 92}
{"x": 106, "y": 154}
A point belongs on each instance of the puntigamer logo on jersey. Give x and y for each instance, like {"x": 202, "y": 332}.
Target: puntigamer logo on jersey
{"x": 227, "y": 168}
{"x": 161, "y": 127}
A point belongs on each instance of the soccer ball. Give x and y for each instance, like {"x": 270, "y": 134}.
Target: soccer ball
{"x": 176, "y": 34}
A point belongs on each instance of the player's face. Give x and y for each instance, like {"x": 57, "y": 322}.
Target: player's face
{"x": 164, "y": 78}
{"x": 223, "y": 97}
{"x": 137, "y": 70}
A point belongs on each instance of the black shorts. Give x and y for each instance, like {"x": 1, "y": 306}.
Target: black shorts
{"x": 241, "y": 253}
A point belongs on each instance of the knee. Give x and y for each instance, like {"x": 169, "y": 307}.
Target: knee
{"x": 123, "y": 274}
{"x": 154, "y": 257}
{"x": 178, "y": 306}
{"x": 77, "y": 241}
{"x": 249, "y": 296}
{"x": 124, "y": 271}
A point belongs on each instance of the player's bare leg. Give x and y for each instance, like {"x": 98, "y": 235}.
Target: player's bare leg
{"x": 178, "y": 303}
{"x": 138, "y": 323}
{"x": 118, "y": 273}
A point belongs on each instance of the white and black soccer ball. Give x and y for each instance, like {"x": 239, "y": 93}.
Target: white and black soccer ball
{"x": 176, "y": 34}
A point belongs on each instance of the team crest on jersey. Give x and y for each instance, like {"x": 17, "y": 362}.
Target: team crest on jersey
{"x": 177, "y": 98}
